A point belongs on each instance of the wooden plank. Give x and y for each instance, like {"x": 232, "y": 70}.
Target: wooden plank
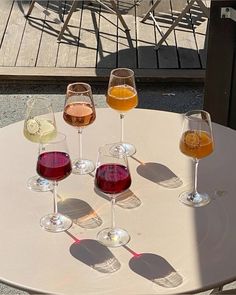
{"x": 6, "y": 6}
{"x": 48, "y": 49}
{"x": 167, "y": 53}
{"x": 87, "y": 51}
{"x": 127, "y": 39}
{"x": 29, "y": 47}
{"x": 86, "y": 54}
{"x": 147, "y": 56}
{"x": 13, "y": 35}
{"x": 107, "y": 45}
{"x": 200, "y": 22}
{"x": 187, "y": 49}
{"x": 142, "y": 75}
{"x": 68, "y": 48}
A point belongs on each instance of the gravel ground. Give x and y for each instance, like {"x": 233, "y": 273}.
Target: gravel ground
{"x": 161, "y": 96}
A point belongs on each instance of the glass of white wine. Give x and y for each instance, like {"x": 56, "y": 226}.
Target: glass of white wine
{"x": 39, "y": 127}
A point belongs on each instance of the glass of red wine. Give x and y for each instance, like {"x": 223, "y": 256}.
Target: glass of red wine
{"x": 54, "y": 164}
{"x": 112, "y": 177}
{"x": 79, "y": 112}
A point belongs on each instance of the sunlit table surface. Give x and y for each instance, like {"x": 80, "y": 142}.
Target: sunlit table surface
{"x": 173, "y": 248}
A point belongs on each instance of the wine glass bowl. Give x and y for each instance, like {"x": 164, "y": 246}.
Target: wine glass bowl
{"x": 54, "y": 164}
{"x": 196, "y": 142}
{"x": 122, "y": 97}
{"x": 79, "y": 112}
{"x": 39, "y": 127}
{"x": 122, "y": 94}
{"x": 112, "y": 177}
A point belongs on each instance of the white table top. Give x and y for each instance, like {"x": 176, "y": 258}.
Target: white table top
{"x": 182, "y": 249}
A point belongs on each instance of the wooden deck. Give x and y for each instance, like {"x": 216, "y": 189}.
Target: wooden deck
{"x": 96, "y": 42}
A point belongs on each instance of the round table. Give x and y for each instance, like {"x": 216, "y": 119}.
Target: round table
{"x": 173, "y": 248}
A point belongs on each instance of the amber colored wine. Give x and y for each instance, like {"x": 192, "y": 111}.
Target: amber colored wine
{"x": 196, "y": 144}
{"x": 79, "y": 114}
{"x": 122, "y": 98}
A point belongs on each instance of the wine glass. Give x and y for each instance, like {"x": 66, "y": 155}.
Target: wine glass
{"x": 112, "y": 177}
{"x": 122, "y": 97}
{"x": 54, "y": 164}
{"x": 196, "y": 142}
{"x": 79, "y": 112}
{"x": 39, "y": 126}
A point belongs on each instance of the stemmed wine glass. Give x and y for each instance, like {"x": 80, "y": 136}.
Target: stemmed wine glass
{"x": 54, "y": 164}
{"x": 122, "y": 97}
{"x": 196, "y": 142}
{"x": 112, "y": 178}
{"x": 79, "y": 112}
{"x": 39, "y": 126}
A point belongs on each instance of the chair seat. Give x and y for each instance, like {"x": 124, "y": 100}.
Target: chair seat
{"x": 188, "y": 6}
{"x": 64, "y": 25}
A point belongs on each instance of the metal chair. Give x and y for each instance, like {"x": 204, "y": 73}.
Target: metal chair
{"x": 64, "y": 25}
{"x": 164, "y": 36}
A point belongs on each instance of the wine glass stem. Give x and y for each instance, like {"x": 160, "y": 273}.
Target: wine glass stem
{"x": 196, "y": 162}
{"x": 55, "y": 197}
{"x": 113, "y": 201}
{"x": 122, "y": 127}
{"x": 80, "y": 143}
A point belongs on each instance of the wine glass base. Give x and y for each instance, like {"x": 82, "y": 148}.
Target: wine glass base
{"x": 113, "y": 237}
{"x": 39, "y": 184}
{"x": 122, "y": 147}
{"x": 130, "y": 149}
{"x": 197, "y": 200}
{"x": 82, "y": 167}
{"x": 55, "y": 222}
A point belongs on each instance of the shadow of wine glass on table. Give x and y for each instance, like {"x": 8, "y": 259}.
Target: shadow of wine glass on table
{"x": 159, "y": 174}
{"x": 128, "y": 200}
{"x": 154, "y": 268}
{"x": 125, "y": 200}
{"x": 94, "y": 254}
{"x": 80, "y": 212}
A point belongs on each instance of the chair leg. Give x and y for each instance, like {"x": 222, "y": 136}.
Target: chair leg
{"x": 115, "y": 11}
{"x": 114, "y": 6}
{"x": 175, "y": 23}
{"x": 203, "y": 7}
{"x": 157, "y": 26}
{"x": 30, "y": 8}
{"x": 150, "y": 11}
{"x": 72, "y": 9}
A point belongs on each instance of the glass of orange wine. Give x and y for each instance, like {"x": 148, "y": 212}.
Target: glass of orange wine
{"x": 122, "y": 97}
{"x": 79, "y": 112}
{"x": 196, "y": 142}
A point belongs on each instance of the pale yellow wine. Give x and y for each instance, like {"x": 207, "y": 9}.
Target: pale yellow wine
{"x": 39, "y": 130}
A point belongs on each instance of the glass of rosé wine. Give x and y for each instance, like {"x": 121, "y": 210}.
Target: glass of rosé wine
{"x": 196, "y": 142}
{"x": 54, "y": 164}
{"x": 79, "y": 112}
{"x": 112, "y": 177}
